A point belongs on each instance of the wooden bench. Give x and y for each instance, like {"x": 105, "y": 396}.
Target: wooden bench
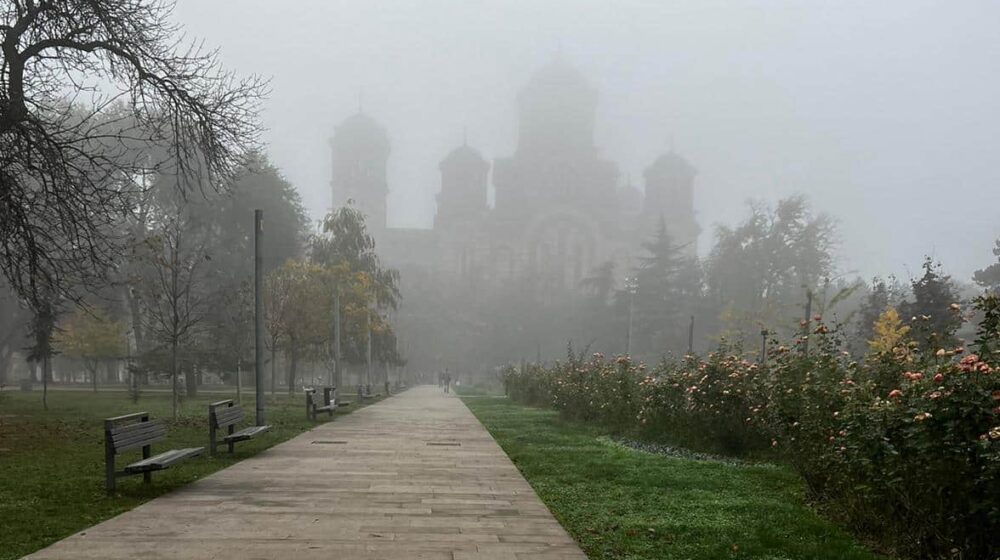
{"x": 226, "y": 414}
{"x": 329, "y": 402}
{"x": 130, "y": 431}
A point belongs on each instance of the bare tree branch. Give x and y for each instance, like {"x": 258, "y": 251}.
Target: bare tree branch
{"x": 94, "y": 95}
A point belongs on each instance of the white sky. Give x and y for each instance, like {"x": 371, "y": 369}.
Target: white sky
{"x": 885, "y": 113}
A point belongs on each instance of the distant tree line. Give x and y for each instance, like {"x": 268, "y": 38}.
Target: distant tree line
{"x": 758, "y": 280}
{"x": 130, "y": 167}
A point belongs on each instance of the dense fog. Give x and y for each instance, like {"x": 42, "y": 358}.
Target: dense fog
{"x": 723, "y": 279}
{"x": 871, "y": 109}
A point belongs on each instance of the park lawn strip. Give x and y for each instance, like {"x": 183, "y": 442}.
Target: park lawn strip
{"x": 622, "y": 503}
{"x": 52, "y": 463}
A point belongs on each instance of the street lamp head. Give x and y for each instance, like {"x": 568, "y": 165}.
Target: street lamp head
{"x": 631, "y": 284}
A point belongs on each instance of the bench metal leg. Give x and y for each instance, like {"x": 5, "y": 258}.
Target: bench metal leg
{"x": 109, "y": 465}
{"x": 231, "y": 443}
{"x": 211, "y": 433}
{"x": 147, "y": 476}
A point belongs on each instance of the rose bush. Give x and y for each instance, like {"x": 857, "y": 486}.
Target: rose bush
{"x": 903, "y": 446}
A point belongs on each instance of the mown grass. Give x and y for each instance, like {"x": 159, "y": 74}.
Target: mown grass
{"x": 624, "y": 504}
{"x": 52, "y": 463}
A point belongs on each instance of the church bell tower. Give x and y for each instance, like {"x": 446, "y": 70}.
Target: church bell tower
{"x": 359, "y": 151}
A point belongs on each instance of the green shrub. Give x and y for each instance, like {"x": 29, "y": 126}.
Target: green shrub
{"x": 905, "y": 445}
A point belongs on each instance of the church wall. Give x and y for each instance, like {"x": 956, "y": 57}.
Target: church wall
{"x": 557, "y": 213}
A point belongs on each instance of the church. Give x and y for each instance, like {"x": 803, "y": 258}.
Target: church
{"x": 560, "y": 208}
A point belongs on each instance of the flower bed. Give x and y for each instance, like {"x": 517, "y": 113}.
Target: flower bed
{"x": 904, "y": 445}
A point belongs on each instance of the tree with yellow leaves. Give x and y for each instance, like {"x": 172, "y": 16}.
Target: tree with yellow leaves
{"x": 891, "y": 335}
{"x": 92, "y": 336}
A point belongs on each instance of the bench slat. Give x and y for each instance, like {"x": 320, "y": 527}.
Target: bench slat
{"x": 137, "y": 430}
{"x": 143, "y": 435}
{"x": 163, "y": 460}
{"x": 228, "y": 410}
{"x": 124, "y": 417}
{"x": 228, "y": 416}
{"x": 247, "y": 433}
{"x": 233, "y": 412}
{"x": 124, "y": 428}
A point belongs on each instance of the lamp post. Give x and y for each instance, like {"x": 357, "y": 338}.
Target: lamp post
{"x": 632, "y": 286}
{"x": 336, "y": 337}
{"x": 258, "y": 312}
{"x": 805, "y": 321}
{"x": 368, "y": 344}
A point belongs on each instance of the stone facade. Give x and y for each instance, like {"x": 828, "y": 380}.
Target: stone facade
{"x": 558, "y": 211}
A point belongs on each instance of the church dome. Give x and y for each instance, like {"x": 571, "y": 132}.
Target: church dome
{"x": 361, "y": 129}
{"x": 463, "y": 156}
{"x": 557, "y": 108}
{"x": 558, "y": 78}
{"x": 671, "y": 164}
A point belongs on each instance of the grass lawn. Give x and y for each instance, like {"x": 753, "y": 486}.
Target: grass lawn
{"x": 52, "y": 463}
{"x": 624, "y": 504}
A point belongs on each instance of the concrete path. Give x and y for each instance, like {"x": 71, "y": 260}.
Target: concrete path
{"x": 413, "y": 477}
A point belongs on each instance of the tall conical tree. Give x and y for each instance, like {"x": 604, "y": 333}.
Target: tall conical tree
{"x": 989, "y": 277}
{"x": 667, "y": 283}
{"x": 931, "y": 317}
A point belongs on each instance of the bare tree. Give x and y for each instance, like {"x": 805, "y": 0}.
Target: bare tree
{"x": 88, "y": 88}
{"x": 173, "y": 301}
{"x": 278, "y": 289}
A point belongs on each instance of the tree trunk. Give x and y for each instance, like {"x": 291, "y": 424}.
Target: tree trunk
{"x": 191, "y": 381}
{"x": 292, "y": 366}
{"x": 92, "y": 368}
{"x": 46, "y": 373}
{"x": 274, "y": 362}
{"x": 135, "y": 316}
{"x": 5, "y": 361}
{"x": 174, "y": 373}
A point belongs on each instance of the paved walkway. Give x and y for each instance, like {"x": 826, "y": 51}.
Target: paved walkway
{"x": 413, "y": 477}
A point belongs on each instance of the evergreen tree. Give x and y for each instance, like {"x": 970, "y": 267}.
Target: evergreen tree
{"x": 931, "y": 316}
{"x": 667, "y": 285}
{"x": 989, "y": 277}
